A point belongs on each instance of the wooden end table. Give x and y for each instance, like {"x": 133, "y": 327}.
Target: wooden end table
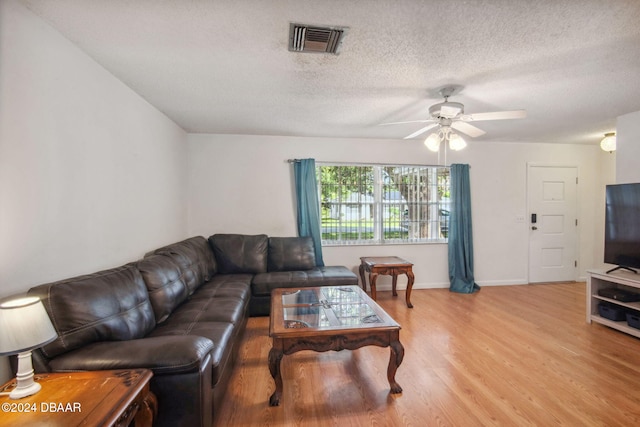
{"x": 387, "y": 265}
{"x": 92, "y": 398}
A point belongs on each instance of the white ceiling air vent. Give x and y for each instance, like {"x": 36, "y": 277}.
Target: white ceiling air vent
{"x": 305, "y": 38}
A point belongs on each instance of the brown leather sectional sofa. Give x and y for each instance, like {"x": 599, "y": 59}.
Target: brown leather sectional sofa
{"x": 180, "y": 311}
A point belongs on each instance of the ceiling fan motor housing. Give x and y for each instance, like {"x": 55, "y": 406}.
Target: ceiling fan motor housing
{"x": 446, "y": 109}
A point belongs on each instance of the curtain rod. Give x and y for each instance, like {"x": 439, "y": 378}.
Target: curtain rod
{"x": 367, "y": 164}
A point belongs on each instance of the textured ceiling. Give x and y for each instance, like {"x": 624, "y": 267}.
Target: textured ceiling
{"x": 222, "y": 66}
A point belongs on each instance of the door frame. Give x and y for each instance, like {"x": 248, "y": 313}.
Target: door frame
{"x": 531, "y": 165}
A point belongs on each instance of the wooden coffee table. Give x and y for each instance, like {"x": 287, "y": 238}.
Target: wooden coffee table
{"x": 92, "y": 398}
{"x": 329, "y": 318}
{"x": 389, "y": 265}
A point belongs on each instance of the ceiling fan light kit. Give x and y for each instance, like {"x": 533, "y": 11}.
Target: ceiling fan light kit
{"x": 433, "y": 142}
{"x": 456, "y": 142}
{"x": 447, "y": 136}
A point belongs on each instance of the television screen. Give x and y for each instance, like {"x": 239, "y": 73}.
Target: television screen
{"x": 622, "y": 226}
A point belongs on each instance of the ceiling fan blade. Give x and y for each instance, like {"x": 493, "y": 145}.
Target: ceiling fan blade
{"x": 468, "y": 129}
{"x": 421, "y": 131}
{"x": 411, "y": 121}
{"x": 496, "y": 115}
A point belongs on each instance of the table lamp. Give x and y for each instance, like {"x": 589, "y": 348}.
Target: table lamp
{"x": 24, "y": 326}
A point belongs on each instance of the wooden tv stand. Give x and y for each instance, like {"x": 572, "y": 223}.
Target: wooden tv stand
{"x": 598, "y": 279}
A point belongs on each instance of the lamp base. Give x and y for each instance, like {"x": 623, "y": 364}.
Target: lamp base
{"x": 25, "y": 385}
{"x": 20, "y": 392}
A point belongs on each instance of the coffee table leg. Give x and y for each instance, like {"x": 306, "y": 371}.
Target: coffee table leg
{"x": 275, "y": 357}
{"x": 410, "y": 279}
{"x": 397, "y": 354}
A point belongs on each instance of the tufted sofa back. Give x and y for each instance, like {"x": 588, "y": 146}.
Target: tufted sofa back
{"x": 240, "y": 253}
{"x": 291, "y": 254}
{"x": 165, "y": 284}
{"x": 110, "y": 305}
{"x": 194, "y": 258}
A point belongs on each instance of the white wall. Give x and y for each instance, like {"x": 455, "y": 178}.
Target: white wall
{"x": 628, "y": 148}
{"x": 243, "y": 184}
{"x": 91, "y": 175}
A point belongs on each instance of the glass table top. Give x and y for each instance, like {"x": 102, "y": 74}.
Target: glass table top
{"x": 327, "y": 307}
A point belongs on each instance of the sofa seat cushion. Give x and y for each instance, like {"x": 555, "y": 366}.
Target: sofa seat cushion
{"x": 226, "y": 285}
{"x": 240, "y": 253}
{"x": 222, "y": 334}
{"x": 110, "y": 305}
{"x": 319, "y": 276}
{"x": 220, "y": 309}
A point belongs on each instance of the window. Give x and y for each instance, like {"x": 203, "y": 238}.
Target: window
{"x": 377, "y": 204}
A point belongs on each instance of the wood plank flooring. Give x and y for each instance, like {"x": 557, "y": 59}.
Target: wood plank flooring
{"x": 505, "y": 356}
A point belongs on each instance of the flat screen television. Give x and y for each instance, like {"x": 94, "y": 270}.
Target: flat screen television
{"x": 622, "y": 227}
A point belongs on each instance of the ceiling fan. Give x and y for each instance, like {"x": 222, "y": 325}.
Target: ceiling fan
{"x": 450, "y": 115}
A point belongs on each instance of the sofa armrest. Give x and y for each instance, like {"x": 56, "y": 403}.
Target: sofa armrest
{"x": 164, "y": 355}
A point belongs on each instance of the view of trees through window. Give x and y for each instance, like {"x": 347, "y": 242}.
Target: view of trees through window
{"x": 383, "y": 203}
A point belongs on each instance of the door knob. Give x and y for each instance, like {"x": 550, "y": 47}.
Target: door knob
{"x": 534, "y": 228}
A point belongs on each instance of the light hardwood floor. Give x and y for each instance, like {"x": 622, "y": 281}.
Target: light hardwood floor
{"x": 508, "y": 356}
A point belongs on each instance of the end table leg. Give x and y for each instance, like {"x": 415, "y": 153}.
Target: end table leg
{"x": 395, "y": 359}
{"x": 410, "y": 279}
{"x": 275, "y": 356}
{"x": 372, "y": 283}
{"x": 364, "y": 283}
{"x": 147, "y": 414}
{"x": 394, "y": 283}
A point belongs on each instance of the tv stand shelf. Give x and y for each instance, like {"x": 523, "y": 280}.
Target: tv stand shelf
{"x": 621, "y": 279}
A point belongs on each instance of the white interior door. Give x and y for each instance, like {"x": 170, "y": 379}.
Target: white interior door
{"x": 553, "y": 224}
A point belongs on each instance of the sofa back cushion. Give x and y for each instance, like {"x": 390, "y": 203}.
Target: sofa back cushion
{"x": 240, "y": 253}
{"x": 195, "y": 259}
{"x": 291, "y": 254}
{"x": 165, "y": 285}
{"x": 110, "y": 305}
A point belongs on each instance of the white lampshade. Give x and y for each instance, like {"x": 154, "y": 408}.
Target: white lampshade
{"x": 608, "y": 143}
{"x": 433, "y": 142}
{"x": 24, "y": 325}
{"x": 456, "y": 142}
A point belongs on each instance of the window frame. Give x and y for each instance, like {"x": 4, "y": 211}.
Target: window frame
{"x": 380, "y": 205}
